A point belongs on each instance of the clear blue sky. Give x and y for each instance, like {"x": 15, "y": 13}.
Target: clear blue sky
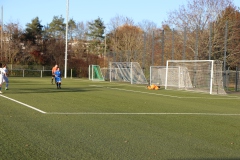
{"x": 23, "y": 11}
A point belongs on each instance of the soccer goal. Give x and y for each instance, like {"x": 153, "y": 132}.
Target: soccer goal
{"x": 126, "y": 72}
{"x": 194, "y": 75}
{"x": 95, "y": 73}
{"x": 158, "y": 76}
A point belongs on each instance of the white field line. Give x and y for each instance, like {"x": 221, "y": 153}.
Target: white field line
{"x": 127, "y": 84}
{"x": 141, "y": 86}
{"x": 23, "y": 104}
{"x": 94, "y": 113}
{"x": 112, "y": 83}
{"x": 165, "y": 95}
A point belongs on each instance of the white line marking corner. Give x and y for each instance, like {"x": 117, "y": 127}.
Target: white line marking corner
{"x": 24, "y": 104}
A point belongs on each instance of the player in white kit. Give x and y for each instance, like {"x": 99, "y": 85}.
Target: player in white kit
{"x": 1, "y": 77}
{"x": 5, "y": 76}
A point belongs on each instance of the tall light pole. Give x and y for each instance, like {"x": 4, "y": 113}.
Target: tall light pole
{"x": 66, "y": 45}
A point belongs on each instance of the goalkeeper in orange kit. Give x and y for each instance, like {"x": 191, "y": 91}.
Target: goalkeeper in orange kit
{"x": 153, "y": 87}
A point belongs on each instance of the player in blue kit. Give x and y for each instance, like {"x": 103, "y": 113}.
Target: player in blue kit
{"x": 1, "y": 77}
{"x": 5, "y": 76}
{"x": 58, "y": 78}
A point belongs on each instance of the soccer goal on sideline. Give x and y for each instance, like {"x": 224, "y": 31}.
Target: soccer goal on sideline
{"x": 193, "y": 75}
{"x": 95, "y": 73}
{"x": 126, "y": 72}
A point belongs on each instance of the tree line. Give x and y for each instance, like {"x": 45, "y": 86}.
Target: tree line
{"x": 203, "y": 29}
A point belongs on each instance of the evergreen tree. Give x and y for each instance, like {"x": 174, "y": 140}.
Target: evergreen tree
{"x": 57, "y": 27}
{"x": 33, "y": 30}
{"x": 71, "y": 27}
{"x": 96, "y": 36}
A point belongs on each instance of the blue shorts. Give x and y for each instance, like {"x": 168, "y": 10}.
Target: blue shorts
{"x": 58, "y": 79}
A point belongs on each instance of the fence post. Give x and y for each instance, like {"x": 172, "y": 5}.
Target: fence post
{"x": 110, "y": 72}
{"x": 144, "y": 53}
{"x": 210, "y": 42}
{"x": 114, "y": 56}
{"x": 184, "y": 43}
{"x": 227, "y": 78}
{"x": 162, "y": 47}
{"x": 135, "y": 56}
{"x": 173, "y": 44}
{"x": 196, "y": 44}
{"x": 225, "y": 52}
{"x": 236, "y": 80}
{"x": 153, "y": 48}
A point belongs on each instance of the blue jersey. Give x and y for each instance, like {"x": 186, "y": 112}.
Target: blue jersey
{"x": 58, "y": 76}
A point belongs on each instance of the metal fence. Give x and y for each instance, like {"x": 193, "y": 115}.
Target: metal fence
{"x": 232, "y": 81}
{"x": 29, "y": 73}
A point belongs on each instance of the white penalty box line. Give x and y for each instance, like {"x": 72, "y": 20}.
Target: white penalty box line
{"x": 95, "y": 113}
{"x": 112, "y": 113}
{"x": 166, "y": 95}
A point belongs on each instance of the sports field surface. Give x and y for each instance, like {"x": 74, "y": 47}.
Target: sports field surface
{"x": 89, "y": 120}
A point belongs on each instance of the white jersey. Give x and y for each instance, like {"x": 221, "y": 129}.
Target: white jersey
{"x": 2, "y": 72}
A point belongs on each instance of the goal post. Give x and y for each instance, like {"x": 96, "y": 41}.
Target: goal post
{"x": 195, "y": 75}
{"x": 95, "y": 73}
{"x": 126, "y": 72}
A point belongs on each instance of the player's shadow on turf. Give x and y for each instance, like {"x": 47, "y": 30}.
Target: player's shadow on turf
{"x": 54, "y": 90}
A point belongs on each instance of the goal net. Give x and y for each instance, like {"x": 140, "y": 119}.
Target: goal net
{"x": 105, "y": 73}
{"x": 126, "y": 72}
{"x": 95, "y": 73}
{"x": 158, "y": 76}
{"x": 194, "y": 75}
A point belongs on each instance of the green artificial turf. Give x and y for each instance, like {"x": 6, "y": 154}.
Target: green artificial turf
{"x": 103, "y": 120}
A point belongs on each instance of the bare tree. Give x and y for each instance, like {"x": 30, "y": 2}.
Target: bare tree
{"x": 195, "y": 22}
{"x": 226, "y": 30}
{"x": 126, "y": 40}
{"x": 148, "y": 26}
{"x": 197, "y": 13}
{"x": 79, "y": 46}
{"x": 118, "y": 21}
{"x": 13, "y": 49}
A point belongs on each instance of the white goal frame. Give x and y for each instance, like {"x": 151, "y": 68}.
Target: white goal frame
{"x": 205, "y": 76}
